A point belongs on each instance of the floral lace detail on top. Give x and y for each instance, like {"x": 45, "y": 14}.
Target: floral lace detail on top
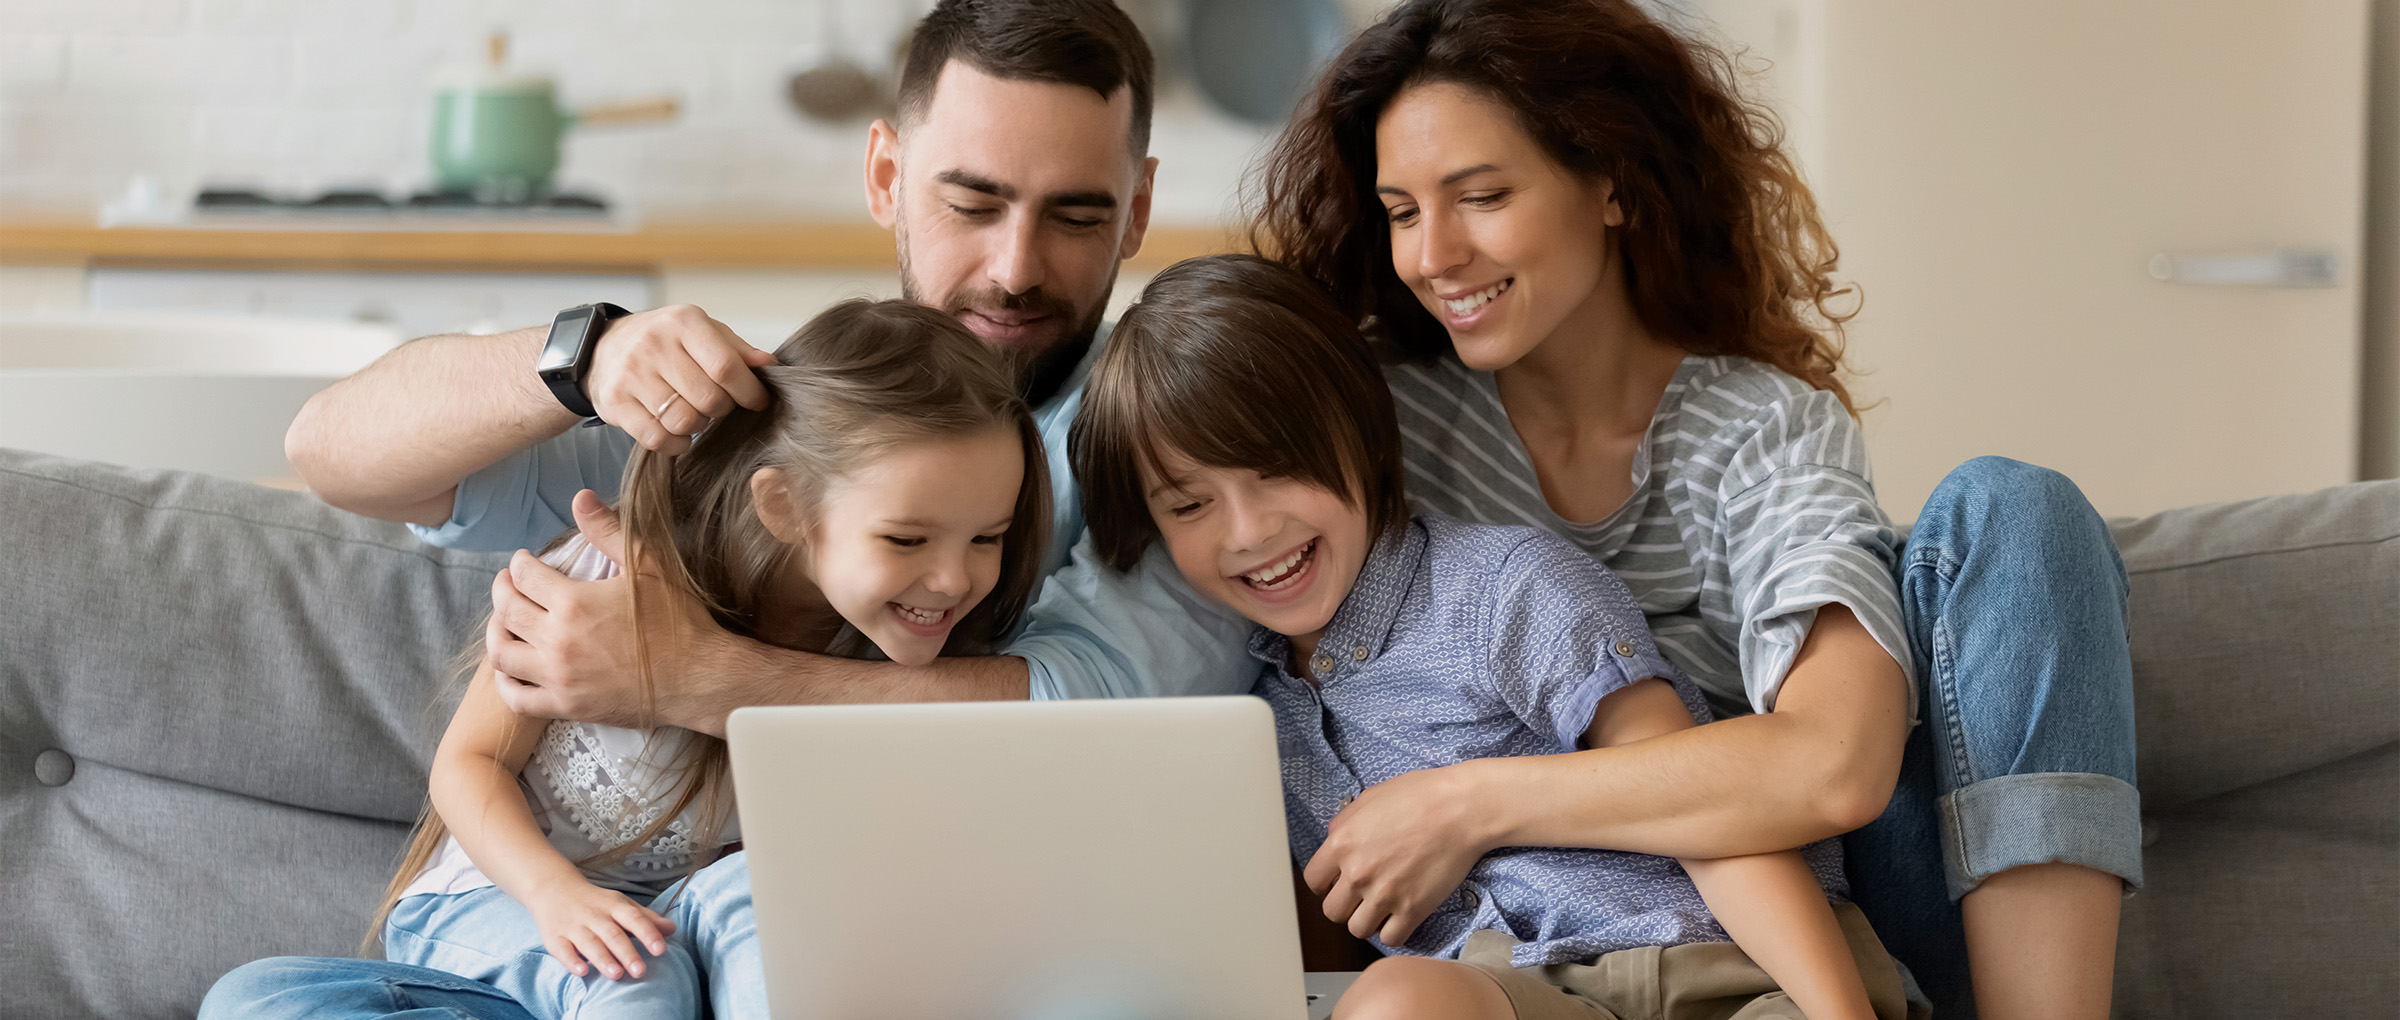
{"x": 613, "y": 785}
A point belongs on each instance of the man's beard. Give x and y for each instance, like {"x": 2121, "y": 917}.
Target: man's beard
{"x": 1040, "y": 370}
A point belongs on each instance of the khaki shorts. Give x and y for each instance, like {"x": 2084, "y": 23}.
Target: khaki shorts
{"x": 1700, "y": 981}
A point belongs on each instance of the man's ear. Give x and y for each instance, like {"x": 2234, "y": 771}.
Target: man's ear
{"x": 772, "y": 499}
{"x": 883, "y": 173}
{"x": 1137, "y": 216}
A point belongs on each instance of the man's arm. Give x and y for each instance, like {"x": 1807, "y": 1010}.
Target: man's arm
{"x": 395, "y": 440}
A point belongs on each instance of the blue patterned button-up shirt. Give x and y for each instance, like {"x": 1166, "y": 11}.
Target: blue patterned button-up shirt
{"x": 1463, "y": 641}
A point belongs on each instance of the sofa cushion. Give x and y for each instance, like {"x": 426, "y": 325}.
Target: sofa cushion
{"x": 217, "y": 703}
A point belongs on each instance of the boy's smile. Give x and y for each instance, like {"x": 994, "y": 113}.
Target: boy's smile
{"x": 1279, "y": 551}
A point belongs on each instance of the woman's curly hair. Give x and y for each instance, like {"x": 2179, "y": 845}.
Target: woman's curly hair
{"x": 1723, "y": 249}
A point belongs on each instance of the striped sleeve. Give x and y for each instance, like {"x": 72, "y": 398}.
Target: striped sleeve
{"x": 1802, "y": 530}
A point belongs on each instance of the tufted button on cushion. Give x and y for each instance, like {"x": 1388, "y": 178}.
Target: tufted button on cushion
{"x": 53, "y": 767}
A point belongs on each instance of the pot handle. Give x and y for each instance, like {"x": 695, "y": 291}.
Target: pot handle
{"x": 640, "y": 111}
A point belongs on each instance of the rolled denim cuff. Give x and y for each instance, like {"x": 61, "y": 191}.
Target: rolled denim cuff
{"x": 2041, "y": 818}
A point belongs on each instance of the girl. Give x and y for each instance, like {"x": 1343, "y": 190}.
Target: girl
{"x": 1238, "y": 419}
{"x": 892, "y": 499}
{"x": 1612, "y": 295}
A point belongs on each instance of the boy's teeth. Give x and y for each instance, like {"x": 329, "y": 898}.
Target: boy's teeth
{"x": 1268, "y": 575}
{"x": 1478, "y": 299}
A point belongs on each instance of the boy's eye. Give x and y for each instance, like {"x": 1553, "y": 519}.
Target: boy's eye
{"x": 1185, "y": 509}
{"x": 905, "y": 541}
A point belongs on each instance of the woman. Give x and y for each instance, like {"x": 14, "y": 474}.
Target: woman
{"x": 1609, "y": 296}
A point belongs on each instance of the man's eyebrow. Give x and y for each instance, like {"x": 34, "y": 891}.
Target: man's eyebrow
{"x": 978, "y": 183}
{"x": 1081, "y": 200}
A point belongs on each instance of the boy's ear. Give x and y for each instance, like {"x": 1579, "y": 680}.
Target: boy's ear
{"x": 772, "y": 500}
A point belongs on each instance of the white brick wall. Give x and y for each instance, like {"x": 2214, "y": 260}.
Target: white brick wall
{"x": 305, "y": 94}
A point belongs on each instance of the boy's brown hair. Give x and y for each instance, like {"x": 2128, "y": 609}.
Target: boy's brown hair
{"x": 1235, "y": 362}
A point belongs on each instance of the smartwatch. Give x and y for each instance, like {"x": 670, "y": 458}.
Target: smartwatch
{"x": 567, "y": 358}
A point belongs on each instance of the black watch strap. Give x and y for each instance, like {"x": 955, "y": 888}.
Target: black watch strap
{"x": 567, "y": 356}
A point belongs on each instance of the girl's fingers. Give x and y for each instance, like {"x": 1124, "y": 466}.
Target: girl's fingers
{"x": 564, "y": 952}
{"x": 636, "y": 922}
{"x": 619, "y": 945}
{"x": 595, "y": 950}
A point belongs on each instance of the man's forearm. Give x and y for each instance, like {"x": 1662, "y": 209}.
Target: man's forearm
{"x": 751, "y": 673}
{"x": 395, "y": 440}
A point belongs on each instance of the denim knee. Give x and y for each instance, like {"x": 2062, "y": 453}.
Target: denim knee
{"x": 237, "y": 994}
{"x": 1988, "y": 491}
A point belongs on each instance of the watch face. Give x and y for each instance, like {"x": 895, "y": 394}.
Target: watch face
{"x": 566, "y": 334}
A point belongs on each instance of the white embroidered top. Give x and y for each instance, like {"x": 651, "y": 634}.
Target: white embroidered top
{"x": 594, "y": 788}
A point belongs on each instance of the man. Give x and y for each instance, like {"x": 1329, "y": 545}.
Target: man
{"x": 1015, "y": 182}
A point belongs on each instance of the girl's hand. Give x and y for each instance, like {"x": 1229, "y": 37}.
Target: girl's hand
{"x": 582, "y": 922}
{"x": 1398, "y": 851}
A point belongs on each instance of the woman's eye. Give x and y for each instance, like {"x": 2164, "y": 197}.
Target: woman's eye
{"x": 1400, "y": 217}
{"x": 905, "y": 541}
{"x": 1488, "y": 198}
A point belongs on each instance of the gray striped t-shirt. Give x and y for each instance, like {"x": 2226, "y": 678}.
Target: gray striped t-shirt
{"x": 1753, "y": 505}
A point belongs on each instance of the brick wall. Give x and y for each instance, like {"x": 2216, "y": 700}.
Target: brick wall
{"x": 307, "y": 94}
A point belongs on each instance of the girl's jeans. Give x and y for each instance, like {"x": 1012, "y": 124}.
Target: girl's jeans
{"x": 470, "y": 954}
{"x": 2023, "y": 750}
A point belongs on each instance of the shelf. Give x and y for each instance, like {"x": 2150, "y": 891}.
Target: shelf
{"x": 667, "y": 244}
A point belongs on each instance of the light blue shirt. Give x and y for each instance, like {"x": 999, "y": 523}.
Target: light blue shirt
{"x": 1090, "y": 633}
{"x": 1462, "y": 641}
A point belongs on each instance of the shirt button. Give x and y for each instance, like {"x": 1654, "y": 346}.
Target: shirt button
{"x": 1321, "y": 665}
{"x": 1625, "y": 648}
{"x": 1359, "y": 654}
{"x": 1346, "y": 799}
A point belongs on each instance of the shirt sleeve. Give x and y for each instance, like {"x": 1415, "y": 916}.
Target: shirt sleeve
{"x": 521, "y": 500}
{"x": 1802, "y": 530}
{"x": 1564, "y": 633}
{"x": 1097, "y": 633}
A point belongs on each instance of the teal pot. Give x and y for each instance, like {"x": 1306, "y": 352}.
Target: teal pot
{"x": 497, "y": 135}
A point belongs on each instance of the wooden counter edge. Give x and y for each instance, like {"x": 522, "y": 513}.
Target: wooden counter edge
{"x": 798, "y": 245}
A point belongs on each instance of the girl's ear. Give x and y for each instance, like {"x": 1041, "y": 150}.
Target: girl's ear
{"x": 771, "y": 498}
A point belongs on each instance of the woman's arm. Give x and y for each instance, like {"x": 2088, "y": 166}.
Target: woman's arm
{"x": 1770, "y": 903}
{"x": 474, "y": 786}
{"x": 1819, "y": 765}
{"x": 1823, "y": 763}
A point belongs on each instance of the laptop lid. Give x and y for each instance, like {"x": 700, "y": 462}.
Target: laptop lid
{"x": 1061, "y": 860}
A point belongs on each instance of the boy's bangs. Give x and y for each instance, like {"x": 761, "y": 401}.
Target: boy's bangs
{"x": 1251, "y": 419}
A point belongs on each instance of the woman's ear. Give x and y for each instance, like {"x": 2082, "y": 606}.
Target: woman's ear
{"x": 1611, "y": 212}
{"x": 772, "y": 499}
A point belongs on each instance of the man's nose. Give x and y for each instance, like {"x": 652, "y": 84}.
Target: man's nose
{"x": 1016, "y": 266}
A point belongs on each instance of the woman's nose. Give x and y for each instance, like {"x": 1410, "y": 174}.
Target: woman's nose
{"x": 1442, "y": 246}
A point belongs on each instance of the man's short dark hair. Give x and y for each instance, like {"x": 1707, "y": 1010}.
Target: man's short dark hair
{"x": 1067, "y": 42}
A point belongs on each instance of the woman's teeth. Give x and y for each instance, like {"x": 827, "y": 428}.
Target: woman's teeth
{"x": 921, "y": 617}
{"x": 1467, "y": 305}
{"x": 1280, "y": 572}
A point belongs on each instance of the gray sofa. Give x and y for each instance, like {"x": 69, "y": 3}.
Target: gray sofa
{"x": 217, "y": 705}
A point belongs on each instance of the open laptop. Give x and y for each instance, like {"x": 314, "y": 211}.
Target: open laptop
{"x": 1080, "y": 860}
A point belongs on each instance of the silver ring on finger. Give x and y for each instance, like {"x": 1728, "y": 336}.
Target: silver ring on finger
{"x": 664, "y": 404}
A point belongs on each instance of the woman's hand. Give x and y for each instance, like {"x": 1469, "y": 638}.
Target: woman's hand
{"x": 582, "y": 922}
{"x": 1399, "y": 850}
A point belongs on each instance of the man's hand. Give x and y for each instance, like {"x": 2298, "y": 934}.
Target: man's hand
{"x": 663, "y": 374}
{"x": 1398, "y": 851}
{"x": 565, "y": 648}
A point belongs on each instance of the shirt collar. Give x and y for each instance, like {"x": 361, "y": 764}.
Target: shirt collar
{"x": 1363, "y": 625}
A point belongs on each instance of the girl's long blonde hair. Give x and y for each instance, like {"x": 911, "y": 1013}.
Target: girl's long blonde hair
{"x": 856, "y": 381}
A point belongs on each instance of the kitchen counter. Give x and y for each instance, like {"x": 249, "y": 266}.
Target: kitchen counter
{"x": 664, "y": 243}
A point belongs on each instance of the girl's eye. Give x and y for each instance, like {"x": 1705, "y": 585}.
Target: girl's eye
{"x": 905, "y": 541}
{"x": 990, "y": 539}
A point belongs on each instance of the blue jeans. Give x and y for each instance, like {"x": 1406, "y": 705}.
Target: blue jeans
{"x": 466, "y": 955}
{"x": 2015, "y": 602}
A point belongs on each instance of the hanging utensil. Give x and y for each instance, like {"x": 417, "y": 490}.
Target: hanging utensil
{"x": 837, "y": 88}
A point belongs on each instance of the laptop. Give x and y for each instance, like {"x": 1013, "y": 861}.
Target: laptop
{"x": 1076, "y": 860}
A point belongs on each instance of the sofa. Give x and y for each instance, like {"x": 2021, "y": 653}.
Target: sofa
{"x": 218, "y": 702}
